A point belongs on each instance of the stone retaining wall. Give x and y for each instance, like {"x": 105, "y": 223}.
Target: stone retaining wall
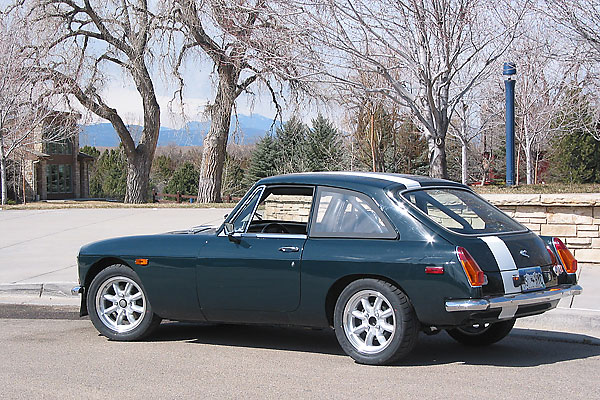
{"x": 575, "y": 218}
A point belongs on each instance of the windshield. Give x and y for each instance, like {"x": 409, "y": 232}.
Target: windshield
{"x": 462, "y": 211}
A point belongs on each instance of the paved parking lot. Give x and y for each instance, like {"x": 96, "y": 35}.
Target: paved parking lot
{"x": 40, "y": 246}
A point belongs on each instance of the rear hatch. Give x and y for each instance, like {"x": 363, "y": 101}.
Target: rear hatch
{"x": 513, "y": 258}
{"x": 512, "y": 262}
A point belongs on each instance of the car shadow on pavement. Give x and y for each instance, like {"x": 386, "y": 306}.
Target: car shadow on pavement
{"x": 522, "y": 348}
{"x": 252, "y": 336}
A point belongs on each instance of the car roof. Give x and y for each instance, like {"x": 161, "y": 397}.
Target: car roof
{"x": 356, "y": 179}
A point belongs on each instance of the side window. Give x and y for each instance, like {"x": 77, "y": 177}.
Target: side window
{"x": 283, "y": 210}
{"x": 241, "y": 221}
{"x": 345, "y": 213}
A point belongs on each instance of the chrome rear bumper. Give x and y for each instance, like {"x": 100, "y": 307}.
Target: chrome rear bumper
{"x": 513, "y": 301}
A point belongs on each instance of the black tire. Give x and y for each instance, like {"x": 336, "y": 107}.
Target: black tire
{"x": 131, "y": 302}
{"x": 405, "y": 324}
{"x": 482, "y": 334}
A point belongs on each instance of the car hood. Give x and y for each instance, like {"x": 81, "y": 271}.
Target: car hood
{"x": 172, "y": 244}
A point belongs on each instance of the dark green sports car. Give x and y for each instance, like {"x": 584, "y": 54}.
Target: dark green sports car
{"x": 378, "y": 257}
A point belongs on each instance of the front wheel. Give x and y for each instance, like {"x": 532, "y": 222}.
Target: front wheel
{"x": 119, "y": 307}
{"x": 482, "y": 334}
{"x": 374, "y": 322}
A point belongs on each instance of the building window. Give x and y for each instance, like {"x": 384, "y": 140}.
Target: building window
{"x": 61, "y": 147}
{"x": 58, "y": 178}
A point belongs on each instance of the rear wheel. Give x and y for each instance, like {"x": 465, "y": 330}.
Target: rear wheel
{"x": 118, "y": 304}
{"x": 374, "y": 322}
{"x": 482, "y": 334}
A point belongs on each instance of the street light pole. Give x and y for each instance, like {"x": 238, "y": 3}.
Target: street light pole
{"x": 509, "y": 70}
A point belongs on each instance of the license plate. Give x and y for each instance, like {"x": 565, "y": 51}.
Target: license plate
{"x": 531, "y": 279}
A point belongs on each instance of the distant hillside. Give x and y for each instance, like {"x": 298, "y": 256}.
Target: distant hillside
{"x": 250, "y": 129}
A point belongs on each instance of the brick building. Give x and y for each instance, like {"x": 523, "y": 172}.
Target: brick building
{"x": 56, "y": 169}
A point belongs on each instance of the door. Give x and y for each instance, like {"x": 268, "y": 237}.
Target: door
{"x": 258, "y": 268}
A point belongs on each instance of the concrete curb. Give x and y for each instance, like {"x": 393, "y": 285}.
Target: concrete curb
{"x": 568, "y": 320}
{"x": 38, "y": 289}
{"x": 553, "y": 336}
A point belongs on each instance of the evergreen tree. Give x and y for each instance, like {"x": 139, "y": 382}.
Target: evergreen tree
{"x": 109, "y": 176}
{"x": 163, "y": 168}
{"x": 576, "y": 157}
{"x": 263, "y": 161}
{"x": 90, "y": 151}
{"x": 324, "y": 150}
{"x": 291, "y": 146}
{"x": 184, "y": 180}
{"x": 233, "y": 178}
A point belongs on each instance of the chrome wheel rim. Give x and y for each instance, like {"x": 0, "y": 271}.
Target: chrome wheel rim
{"x": 369, "y": 322}
{"x": 120, "y": 304}
{"x": 475, "y": 329}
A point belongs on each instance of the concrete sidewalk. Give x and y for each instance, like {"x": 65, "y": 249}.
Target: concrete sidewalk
{"x": 576, "y": 315}
{"x": 38, "y": 250}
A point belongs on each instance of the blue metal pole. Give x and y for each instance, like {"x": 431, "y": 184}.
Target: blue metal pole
{"x": 509, "y": 71}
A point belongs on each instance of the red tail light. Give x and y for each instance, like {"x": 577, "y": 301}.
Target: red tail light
{"x": 566, "y": 258}
{"x": 552, "y": 256}
{"x": 556, "y": 266}
{"x": 474, "y": 273}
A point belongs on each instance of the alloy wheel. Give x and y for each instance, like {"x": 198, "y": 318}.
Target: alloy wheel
{"x": 120, "y": 304}
{"x": 369, "y": 321}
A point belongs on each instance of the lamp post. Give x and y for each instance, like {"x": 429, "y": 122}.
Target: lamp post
{"x": 509, "y": 71}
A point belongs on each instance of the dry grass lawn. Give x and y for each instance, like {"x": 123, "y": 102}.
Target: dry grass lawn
{"x": 60, "y": 204}
{"x": 540, "y": 189}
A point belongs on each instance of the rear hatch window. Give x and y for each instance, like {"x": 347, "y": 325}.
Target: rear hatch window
{"x": 461, "y": 211}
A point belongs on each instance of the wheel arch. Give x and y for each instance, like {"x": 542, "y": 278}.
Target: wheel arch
{"x": 94, "y": 270}
{"x": 338, "y": 286}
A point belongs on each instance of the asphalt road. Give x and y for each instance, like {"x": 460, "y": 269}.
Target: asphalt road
{"x": 66, "y": 358}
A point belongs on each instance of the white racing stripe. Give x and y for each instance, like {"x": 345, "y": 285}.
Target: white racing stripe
{"x": 507, "y": 279}
{"x": 508, "y": 269}
{"x": 409, "y": 183}
{"x": 501, "y": 253}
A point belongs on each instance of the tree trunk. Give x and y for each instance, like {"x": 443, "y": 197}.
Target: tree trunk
{"x": 3, "y": 171}
{"x": 528, "y": 150}
{"x": 518, "y": 166}
{"x": 215, "y": 143}
{"x": 464, "y": 163}
{"x": 529, "y": 161}
{"x": 138, "y": 176}
{"x": 437, "y": 157}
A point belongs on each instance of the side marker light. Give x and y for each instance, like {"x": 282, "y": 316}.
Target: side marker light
{"x": 434, "y": 270}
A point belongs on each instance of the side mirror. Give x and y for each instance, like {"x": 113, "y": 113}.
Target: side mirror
{"x": 228, "y": 228}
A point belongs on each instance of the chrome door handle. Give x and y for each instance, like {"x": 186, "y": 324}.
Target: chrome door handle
{"x": 289, "y": 249}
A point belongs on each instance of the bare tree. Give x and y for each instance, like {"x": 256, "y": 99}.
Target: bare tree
{"x": 468, "y": 124}
{"x": 25, "y": 103}
{"x": 581, "y": 18}
{"x": 90, "y": 39}
{"x": 544, "y": 86}
{"x": 247, "y": 44}
{"x": 579, "y": 21}
{"x": 422, "y": 49}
